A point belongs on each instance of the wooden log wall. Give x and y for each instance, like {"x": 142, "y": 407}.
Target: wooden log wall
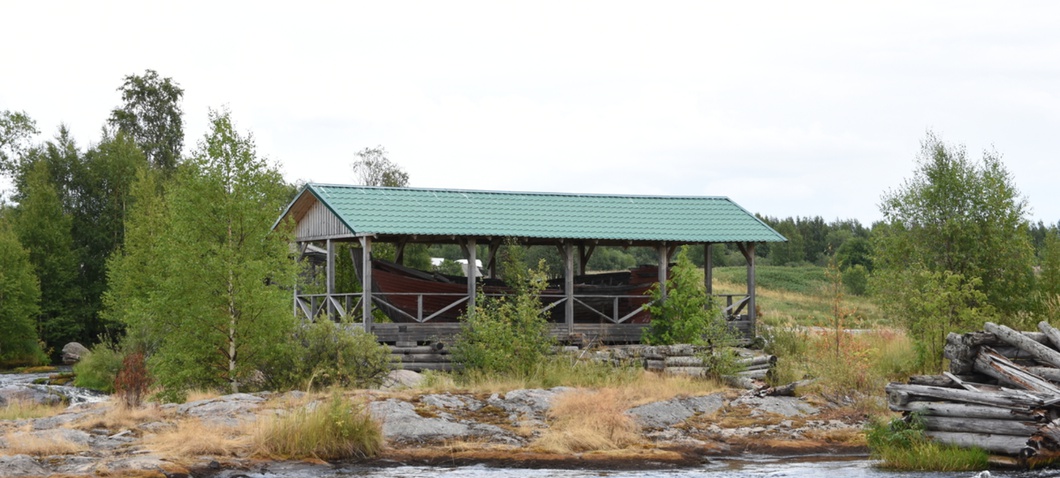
{"x": 1002, "y": 393}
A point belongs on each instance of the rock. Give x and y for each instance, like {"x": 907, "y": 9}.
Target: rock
{"x": 671, "y": 412}
{"x": 527, "y": 405}
{"x": 401, "y": 424}
{"x": 73, "y": 352}
{"x": 398, "y": 379}
{"x": 229, "y": 410}
{"x": 21, "y": 465}
{"x": 786, "y": 406}
{"x": 33, "y": 393}
{"x": 451, "y": 402}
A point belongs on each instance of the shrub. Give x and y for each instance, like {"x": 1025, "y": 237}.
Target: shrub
{"x": 688, "y": 315}
{"x": 99, "y": 368}
{"x": 334, "y": 430}
{"x": 507, "y": 334}
{"x": 132, "y": 380}
{"x": 332, "y": 354}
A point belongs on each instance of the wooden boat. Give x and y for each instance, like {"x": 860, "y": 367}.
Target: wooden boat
{"x": 409, "y": 295}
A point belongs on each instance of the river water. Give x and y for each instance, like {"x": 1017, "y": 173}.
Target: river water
{"x": 73, "y": 395}
{"x": 764, "y": 467}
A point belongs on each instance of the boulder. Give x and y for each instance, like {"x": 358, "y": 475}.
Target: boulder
{"x": 671, "y": 412}
{"x": 21, "y": 465}
{"x": 73, "y": 352}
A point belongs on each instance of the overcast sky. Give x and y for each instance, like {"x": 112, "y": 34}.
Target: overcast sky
{"x": 789, "y": 108}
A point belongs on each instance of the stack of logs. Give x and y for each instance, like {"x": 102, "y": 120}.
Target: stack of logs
{"x": 690, "y": 360}
{"x": 1002, "y": 393}
{"x": 411, "y": 356}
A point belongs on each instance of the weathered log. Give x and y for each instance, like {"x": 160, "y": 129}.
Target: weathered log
{"x": 944, "y": 381}
{"x": 755, "y": 374}
{"x": 679, "y": 361}
{"x": 655, "y": 365}
{"x": 419, "y": 349}
{"x": 980, "y": 425}
{"x": 993, "y": 364}
{"x": 784, "y": 390}
{"x": 1003, "y": 444}
{"x": 968, "y": 411}
{"x": 444, "y": 366}
{"x": 1040, "y": 352}
{"x": 1051, "y": 332}
{"x": 1048, "y": 373}
{"x": 688, "y": 371}
{"x": 767, "y": 360}
{"x": 422, "y": 357}
{"x": 1008, "y": 399}
{"x": 975, "y": 339}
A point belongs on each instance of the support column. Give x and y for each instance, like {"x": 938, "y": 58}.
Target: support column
{"x": 568, "y": 285}
{"x": 708, "y": 268}
{"x": 751, "y": 314}
{"x": 366, "y": 283}
{"x": 664, "y": 264}
{"x": 330, "y": 281}
{"x": 471, "y": 282}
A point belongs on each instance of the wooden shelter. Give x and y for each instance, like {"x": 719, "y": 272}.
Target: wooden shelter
{"x": 326, "y": 215}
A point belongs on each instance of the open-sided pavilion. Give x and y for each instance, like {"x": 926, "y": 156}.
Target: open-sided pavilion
{"x": 325, "y": 215}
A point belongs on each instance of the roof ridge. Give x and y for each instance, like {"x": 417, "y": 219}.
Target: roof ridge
{"x": 533, "y": 193}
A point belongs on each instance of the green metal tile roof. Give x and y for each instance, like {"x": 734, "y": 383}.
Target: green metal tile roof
{"x": 415, "y": 211}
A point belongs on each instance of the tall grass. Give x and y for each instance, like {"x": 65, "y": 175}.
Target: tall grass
{"x": 588, "y": 420}
{"x": 901, "y": 445}
{"x": 552, "y": 371}
{"x": 332, "y": 430}
{"x": 22, "y": 409}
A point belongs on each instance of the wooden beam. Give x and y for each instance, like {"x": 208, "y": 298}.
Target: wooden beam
{"x": 748, "y": 250}
{"x": 584, "y": 255}
{"x": 491, "y": 262}
{"x": 568, "y": 285}
{"x": 366, "y": 283}
{"x": 399, "y": 255}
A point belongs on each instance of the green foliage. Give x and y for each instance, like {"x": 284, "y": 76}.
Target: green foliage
{"x": 1049, "y": 277}
{"x": 16, "y": 129}
{"x": 336, "y": 429}
{"x": 507, "y": 334}
{"x": 687, "y": 315}
{"x": 331, "y": 354}
{"x": 151, "y": 115}
{"x": 134, "y": 281}
{"x": 958, "y": 216}
{"x": 99, "y": 368}
{"x": 217, "y": 301}
{"x": 901, "y": 445}
{"x": 932, "y": 304}
{"x": 19, "y": 301}
{"x": 373, "y": 168}
{"x": 856, "y": 279}
{"x": 43, "y": 229}
{"x": 611, "y": 259}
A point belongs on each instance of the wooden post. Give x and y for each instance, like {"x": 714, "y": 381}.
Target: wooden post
{"x": 664, "y": 263}
{"x": 366, "y": 286}
{"x": 330, "y": 279}
{"x": 471, "y": 281}
{"x": 708, "y": 268}
{"x": 568, "y": 285}
{"x": 748, "y": 250}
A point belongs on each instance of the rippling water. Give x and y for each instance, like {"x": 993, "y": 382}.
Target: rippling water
{"x": 75, "y": 395}
{"x": 795, "y": 468}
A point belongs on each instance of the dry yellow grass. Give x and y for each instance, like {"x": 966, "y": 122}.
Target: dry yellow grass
{"x": 119, "y": 417}
{"x": 21, "y": 409}
{"x": 40, "y": 445}
{"x": 652, "y": 387}
{"x": 196, "y": 395}
{"x": 194, "y": 438}
{"x": 588, "y": 420}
